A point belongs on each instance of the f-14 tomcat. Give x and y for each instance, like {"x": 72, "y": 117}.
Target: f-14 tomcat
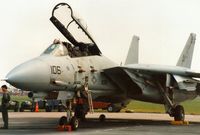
{"x": 77, "y": 69}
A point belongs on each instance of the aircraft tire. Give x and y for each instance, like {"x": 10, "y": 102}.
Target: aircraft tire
{"x": 110, "y": 108}
{"x": 63, "y": 121}
{"x": 179, "y": 113}
{"x": 74, "y": 123}
{"x": 102, "y": 118}
{"x": 113, "y": 108}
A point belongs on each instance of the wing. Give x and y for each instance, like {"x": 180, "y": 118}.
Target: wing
{"x": 140, "y": 79}
{"x": 162, "y": 69}
{"x": 139, "y": 86}
{"x": 135, "y": 74}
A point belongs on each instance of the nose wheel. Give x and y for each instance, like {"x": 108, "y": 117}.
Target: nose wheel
{"x": 74, "y": 122}
{"x": 69, "y": 120}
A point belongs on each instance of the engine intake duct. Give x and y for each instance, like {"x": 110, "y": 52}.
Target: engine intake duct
{"x": 37, "y": 95}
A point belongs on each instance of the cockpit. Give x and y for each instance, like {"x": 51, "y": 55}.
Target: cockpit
{"x": 59, "y": 48}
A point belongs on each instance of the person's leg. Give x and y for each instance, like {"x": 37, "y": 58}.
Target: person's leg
{"x": 5, "y": 117}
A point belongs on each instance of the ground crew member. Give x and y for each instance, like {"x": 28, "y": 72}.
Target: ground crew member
{"x": 5, "y": 105}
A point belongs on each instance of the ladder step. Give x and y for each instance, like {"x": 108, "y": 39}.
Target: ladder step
{"x": 90, "y": 102}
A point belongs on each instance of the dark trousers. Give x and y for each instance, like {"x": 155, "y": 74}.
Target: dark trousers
{"x": 5, "y": 117}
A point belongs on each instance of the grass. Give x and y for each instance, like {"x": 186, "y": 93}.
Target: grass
{"x": 139, "y": 106}
{"x": 18, "y": 98}
{"x": 191, "y": 107}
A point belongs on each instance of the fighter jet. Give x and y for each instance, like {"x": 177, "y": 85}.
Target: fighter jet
{"x": 78, "y": 70}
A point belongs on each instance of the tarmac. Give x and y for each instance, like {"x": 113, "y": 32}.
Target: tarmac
{"x": 43, "y": 123}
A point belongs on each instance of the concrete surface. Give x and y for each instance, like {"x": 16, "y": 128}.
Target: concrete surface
{"x": 28, "y": 123}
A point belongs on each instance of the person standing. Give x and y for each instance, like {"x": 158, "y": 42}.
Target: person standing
{"x": 5, "y": 105}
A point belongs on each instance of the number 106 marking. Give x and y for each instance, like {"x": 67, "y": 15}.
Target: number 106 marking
{"x": 55, "y": 70}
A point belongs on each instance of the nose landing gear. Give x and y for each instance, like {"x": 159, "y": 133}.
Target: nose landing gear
{"x": 69, "y": 120}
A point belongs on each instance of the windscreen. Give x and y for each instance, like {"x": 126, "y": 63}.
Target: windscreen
{"x": 56, "y": 50}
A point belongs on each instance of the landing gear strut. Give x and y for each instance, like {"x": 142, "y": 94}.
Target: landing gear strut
{"x": 80, "y": 111}
{"x": 81, "y": 107}
{"x": 84, "y": 101}
{"x": 176, "y": 111}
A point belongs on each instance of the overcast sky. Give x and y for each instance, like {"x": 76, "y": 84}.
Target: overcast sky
{"x": 162, "y": 25}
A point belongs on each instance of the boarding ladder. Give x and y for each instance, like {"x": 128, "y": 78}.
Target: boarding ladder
{"x": 89, "y": 96}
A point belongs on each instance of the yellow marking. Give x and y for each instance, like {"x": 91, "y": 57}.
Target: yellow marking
{"x": 180, "y": 122}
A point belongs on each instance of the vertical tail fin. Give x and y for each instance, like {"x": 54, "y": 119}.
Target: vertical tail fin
{"x": 132, "y": 56}
{"x": 185, "y": 59}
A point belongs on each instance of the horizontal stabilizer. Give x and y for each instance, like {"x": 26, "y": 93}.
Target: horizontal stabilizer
{"x": 132, "y": 57}
{"x": 185, "y": 59}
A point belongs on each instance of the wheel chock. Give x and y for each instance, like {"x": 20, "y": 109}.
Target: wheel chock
{"x": 64, "y": 128}
{"x": 180, "y": 122}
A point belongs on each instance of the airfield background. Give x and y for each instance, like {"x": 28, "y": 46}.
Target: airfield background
{"x": 191, "y": 107}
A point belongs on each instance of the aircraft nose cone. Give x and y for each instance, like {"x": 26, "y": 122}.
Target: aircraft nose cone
{"x": 31, "y": 75}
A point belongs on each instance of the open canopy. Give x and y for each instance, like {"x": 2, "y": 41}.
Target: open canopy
{"x": 72, "y": 28}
